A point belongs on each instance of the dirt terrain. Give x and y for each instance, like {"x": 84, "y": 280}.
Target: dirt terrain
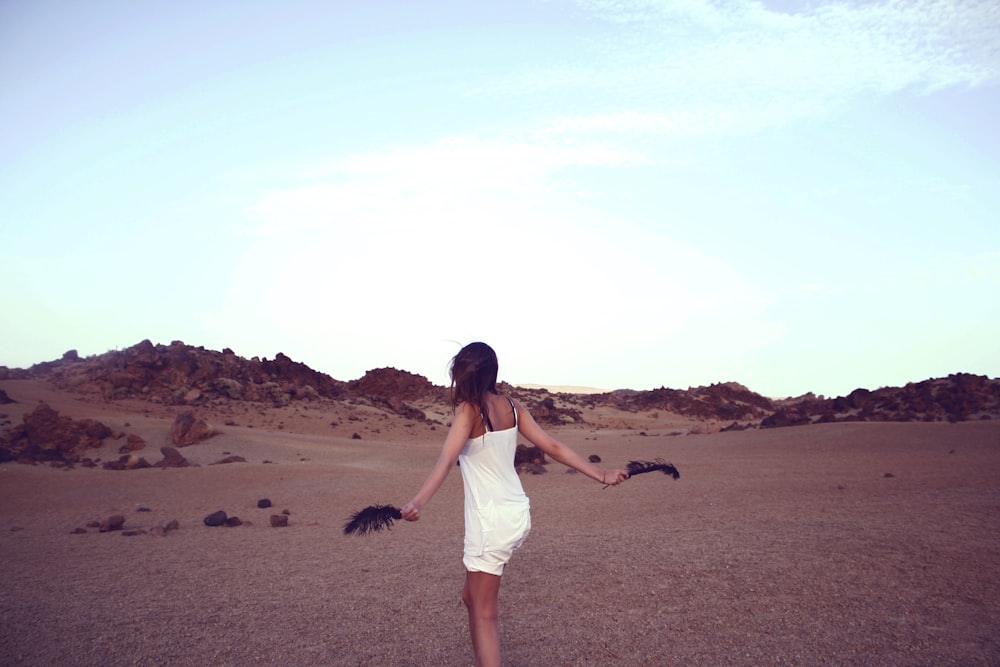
{"x": 841, "y": 543}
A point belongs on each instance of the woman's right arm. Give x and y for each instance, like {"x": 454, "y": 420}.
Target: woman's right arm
{"x": 457, "y": 436}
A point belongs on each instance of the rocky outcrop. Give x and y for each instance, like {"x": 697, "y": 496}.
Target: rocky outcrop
{"x": 45, "y": 435}
{"x": 958, "y": 397}
{"x": 179, "y": 374}
{"x": 182, "y": 375}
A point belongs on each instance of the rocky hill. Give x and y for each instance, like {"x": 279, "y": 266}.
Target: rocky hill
{"x": 182, "y": 375}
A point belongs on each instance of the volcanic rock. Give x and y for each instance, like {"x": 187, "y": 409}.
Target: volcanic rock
{"x": 188, "y": 429}
{"x": 216, "y": 518}
{"x": 113, "y": 522}
{"x": 46, "y": 436}
{"x": 171, "y": 459}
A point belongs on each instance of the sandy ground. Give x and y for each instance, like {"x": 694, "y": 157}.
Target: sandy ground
{"x": 851, "y": 544}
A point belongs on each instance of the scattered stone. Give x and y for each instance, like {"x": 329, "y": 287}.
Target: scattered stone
{"x": 594, "y": 458}
{"x": 78, "y": 531}
{"x": 216, "y": 518}
{"x": 888, "y": 474}
{"x": 233, "y": 521}
{"x": 158, "y": 531}
{"x": 143, "y": 509}
{"x": 133, "y": 532}
{"x": 279, "y": 520}
{"x": 230, "y": 459}
{"x": 263, "y": 503}
{"x": 285, "y": 512}
{"x": 5, "y": 399}
{"x": 113, "y": 522}
{"x": 356, "y": 436}
{"x": 173, "y": 524}
{"x": 127, "y": 462}
{"x": 93, "y": 524}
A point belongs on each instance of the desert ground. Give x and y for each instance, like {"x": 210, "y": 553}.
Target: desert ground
{"x": 834, "y": 544}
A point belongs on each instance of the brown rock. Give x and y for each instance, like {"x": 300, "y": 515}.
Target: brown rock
{"x": 46, "y": 436}
{"x": 133, "y": 443}
{"x": 113, "y": 522}
{"x": 279, "y": 520}
{"x": 188, "y": 430}
{"x": 171, "y": 459}
{"x": 230, "y": 459}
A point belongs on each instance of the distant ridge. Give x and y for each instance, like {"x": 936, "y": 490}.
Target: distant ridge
{"x": 562, "y": 389}
{"x": 181, "y": 374}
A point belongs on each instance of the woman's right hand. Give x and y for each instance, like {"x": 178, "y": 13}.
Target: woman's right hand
{"x": 410, "y": 512}
{"x": 615, "y": 477}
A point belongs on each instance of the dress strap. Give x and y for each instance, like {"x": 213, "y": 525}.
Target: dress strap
{"x": 489, "y": 424}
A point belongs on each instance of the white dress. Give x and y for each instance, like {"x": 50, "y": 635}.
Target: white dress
{"x": 497, "y": 512}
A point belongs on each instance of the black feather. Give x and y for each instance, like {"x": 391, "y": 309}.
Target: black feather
{"x": 372, "y": 519}
{"x": 639, "y": 467}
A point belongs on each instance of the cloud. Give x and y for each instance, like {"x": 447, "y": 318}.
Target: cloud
{"x": 468, "y": 238}
{"x": 689, "y": 66}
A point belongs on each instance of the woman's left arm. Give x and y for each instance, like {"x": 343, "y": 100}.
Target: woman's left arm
{"x": 562, "y": 453}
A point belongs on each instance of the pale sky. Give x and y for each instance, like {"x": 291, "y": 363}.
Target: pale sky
{"x": 794, "y": 195}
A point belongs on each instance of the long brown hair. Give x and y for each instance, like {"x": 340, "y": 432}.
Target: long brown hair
{"x": 473, "y": 375}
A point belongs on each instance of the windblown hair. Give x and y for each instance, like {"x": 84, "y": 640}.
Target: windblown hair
{"x": 473, "y": 375}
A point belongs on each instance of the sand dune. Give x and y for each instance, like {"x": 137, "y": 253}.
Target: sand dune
{"x": 836, "y": 544}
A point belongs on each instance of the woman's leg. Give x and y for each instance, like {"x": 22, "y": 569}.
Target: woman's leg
{"x": 480, "y": 595}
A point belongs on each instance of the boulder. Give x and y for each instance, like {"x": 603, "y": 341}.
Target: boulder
{"x": 188, "y": 430}
{"x": 171, "y": 459}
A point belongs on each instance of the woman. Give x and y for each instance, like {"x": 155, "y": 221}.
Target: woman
{"x": 483, "y": 439}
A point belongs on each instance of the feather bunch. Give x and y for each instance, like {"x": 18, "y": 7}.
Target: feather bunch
{"x": 638, "y": 467}
{"x": 372, "y": 519}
